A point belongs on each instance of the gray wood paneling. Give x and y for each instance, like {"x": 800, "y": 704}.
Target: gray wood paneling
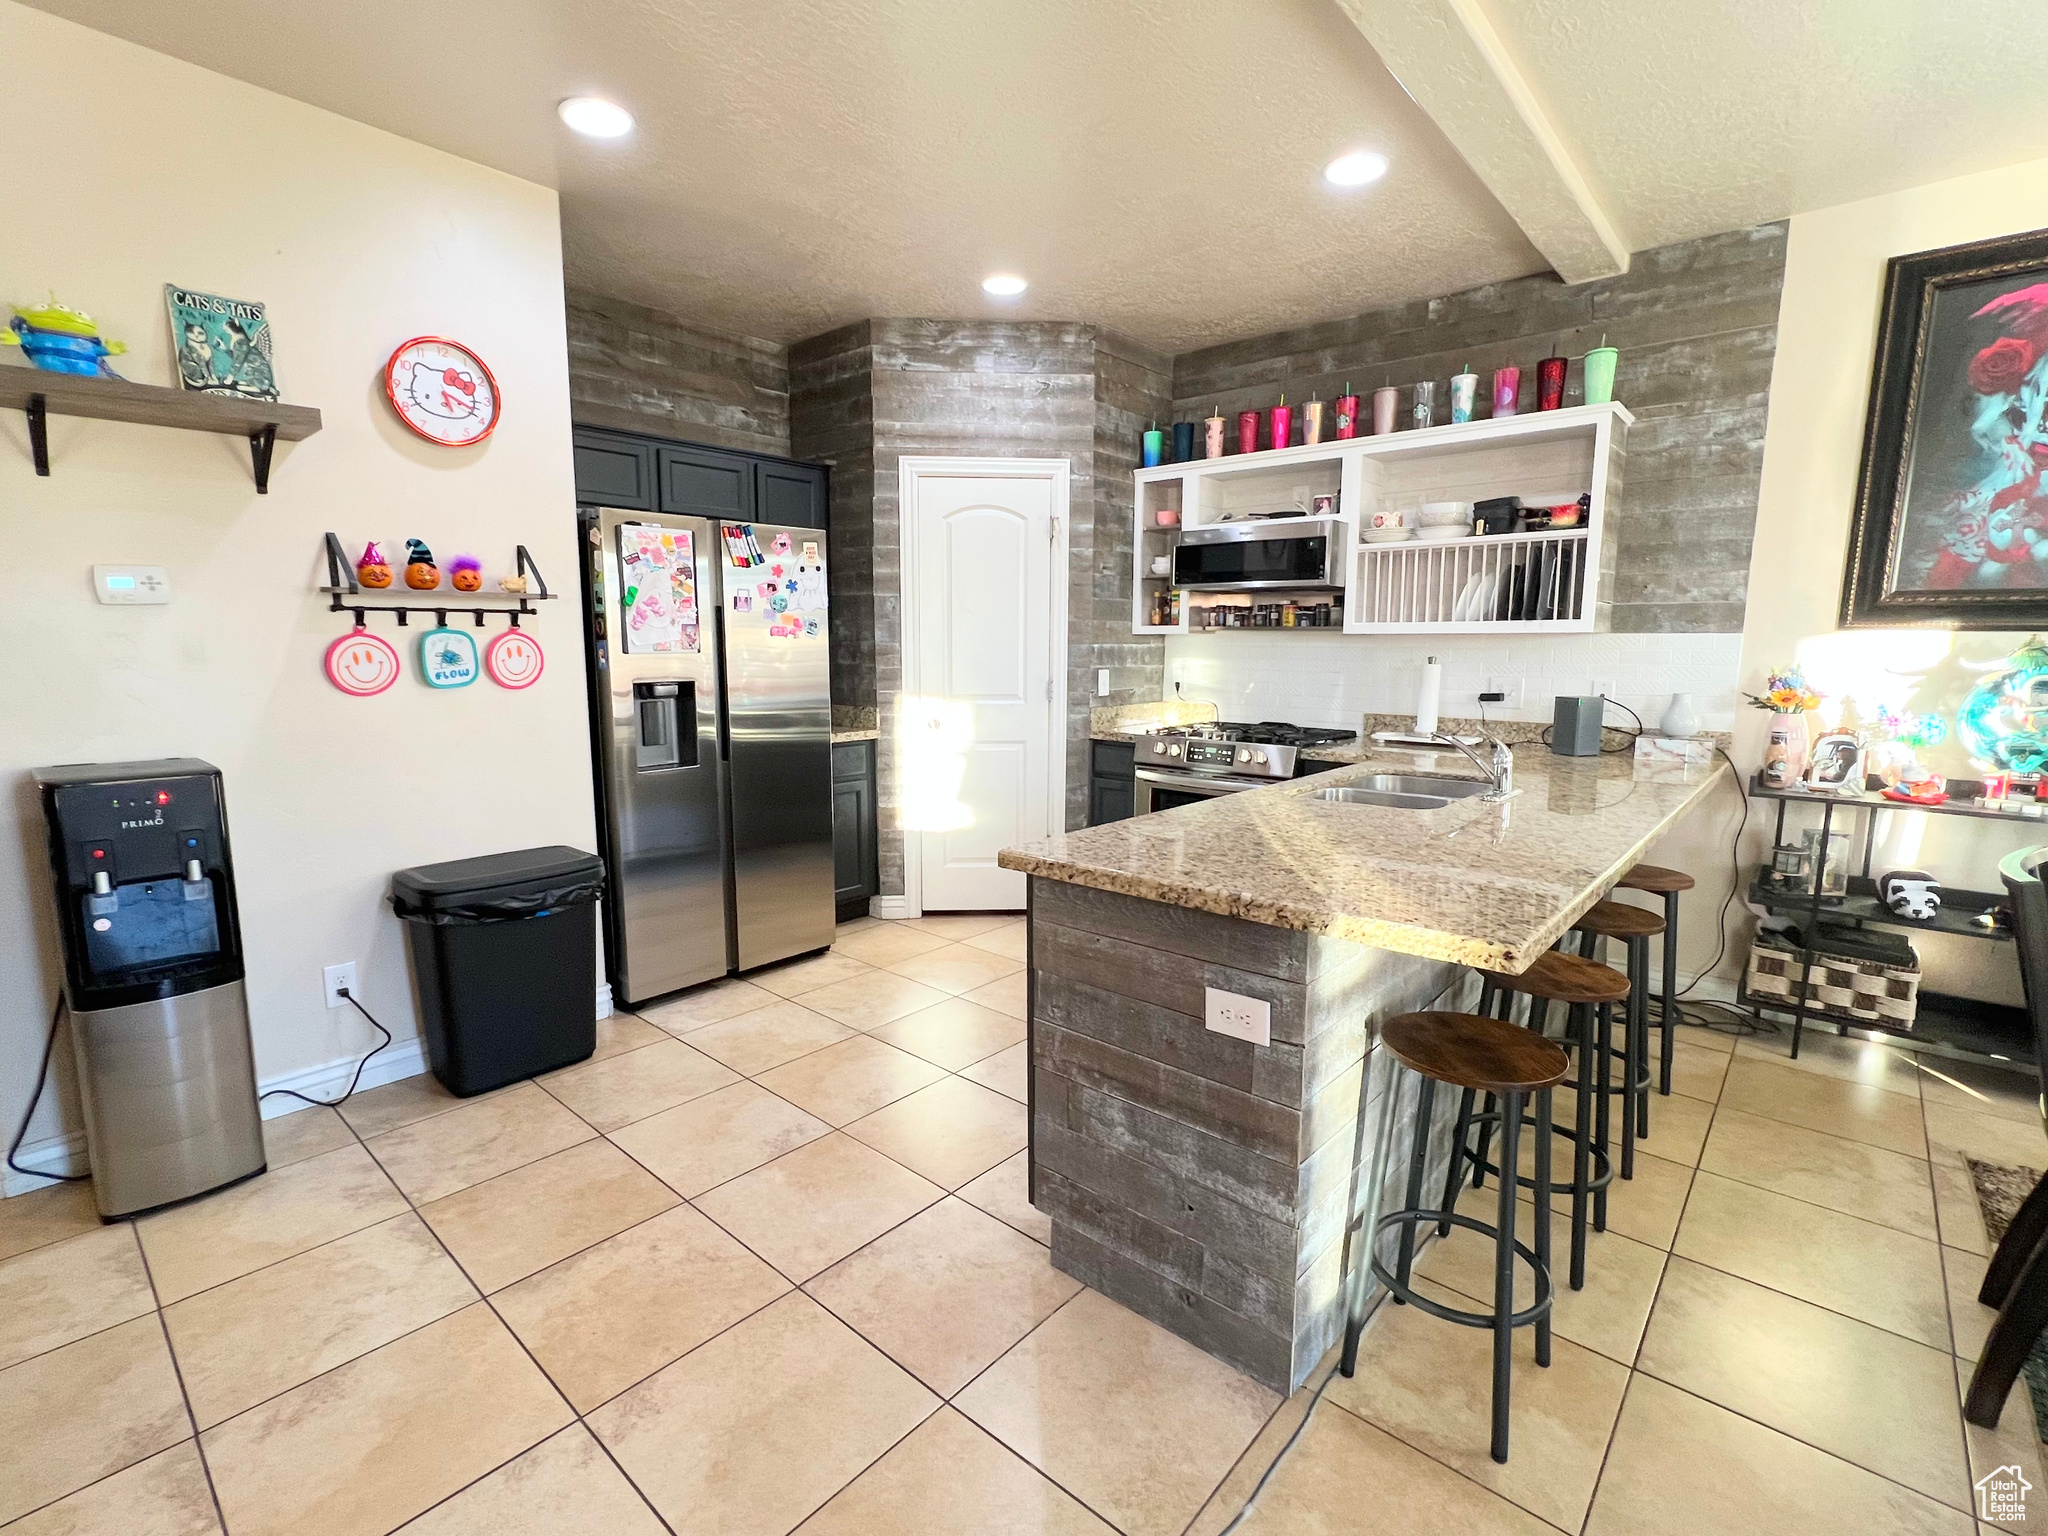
{"x": 643, "y": 370}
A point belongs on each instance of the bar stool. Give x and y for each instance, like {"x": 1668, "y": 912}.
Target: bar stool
{"x": 1659, "y": 881}
{"x": 1588, "y": 990}
{"x": 1635, "y": 928}
{"x": 1478, "y": 1055}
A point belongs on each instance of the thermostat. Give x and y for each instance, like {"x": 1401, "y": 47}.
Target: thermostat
{"x": 131, "y": 584}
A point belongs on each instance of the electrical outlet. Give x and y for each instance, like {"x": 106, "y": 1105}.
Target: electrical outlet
{"x": 1509, "y": 688}
{"x": 1101, "y": 682}
{"x": 1241, "y": 1017}
{"x": 1603, "y": 687}
{"x": 336, "y": 977}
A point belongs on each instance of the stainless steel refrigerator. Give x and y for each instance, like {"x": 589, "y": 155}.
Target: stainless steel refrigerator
{"x": 711, "y": 715}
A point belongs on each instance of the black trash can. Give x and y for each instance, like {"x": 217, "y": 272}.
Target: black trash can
{"x": 504, "y": 962}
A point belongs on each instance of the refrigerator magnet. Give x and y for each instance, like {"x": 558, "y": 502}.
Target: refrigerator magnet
{"x": 447, "y": 658}
{"x": 811, "y": 628}
{"x": 810, "y": 554}
{"x": 514, "y": 659}
{"x": 743, "y": 602}
{"x": 780, "y": 544}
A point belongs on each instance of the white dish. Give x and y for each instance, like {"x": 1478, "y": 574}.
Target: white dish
{"x": 1389, "y": 535}
{"x": 1444, "y": 514}
{"x": 1441, "y": 535}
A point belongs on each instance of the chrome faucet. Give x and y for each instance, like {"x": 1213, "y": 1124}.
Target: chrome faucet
{"x": 1500, "y": 773}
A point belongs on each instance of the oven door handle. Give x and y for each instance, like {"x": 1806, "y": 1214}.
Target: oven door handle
{"x": 1201, "y": 783}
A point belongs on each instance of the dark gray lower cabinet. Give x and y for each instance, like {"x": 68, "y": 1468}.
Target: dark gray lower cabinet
{"x": 1112, "y": 782}
{"x": 853, "y": 826}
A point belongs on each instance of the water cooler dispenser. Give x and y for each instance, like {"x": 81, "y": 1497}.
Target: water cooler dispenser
{"x": 145, "y": 896}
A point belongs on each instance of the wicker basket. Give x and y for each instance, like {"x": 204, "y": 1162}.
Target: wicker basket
{"x": 1852, "y": 987}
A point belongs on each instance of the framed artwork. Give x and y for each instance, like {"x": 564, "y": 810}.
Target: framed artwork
{"x": 1951, "y": 520}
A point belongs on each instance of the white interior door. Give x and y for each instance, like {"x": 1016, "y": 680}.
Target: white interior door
{"x": 977, "y": 736}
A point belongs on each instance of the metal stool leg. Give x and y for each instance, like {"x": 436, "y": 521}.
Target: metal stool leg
{"x": 1604, "y": 1054}
{"x": 1639, "y": 1010}
{"x": 1670, "y": 1020}
{"x": 1418, "y": 1159}
{"x": 1504, "y": 1276}
{"x": 2021, "y": 1322}
{"x": 1460, "y": 1150}
{"x": 1367, "y": 1229}
{"x": 1582, "y": 1145}
{"x": 1543, "y": 1215}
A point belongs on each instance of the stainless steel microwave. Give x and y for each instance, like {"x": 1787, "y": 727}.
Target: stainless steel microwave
{"x": 1242, "y": 557}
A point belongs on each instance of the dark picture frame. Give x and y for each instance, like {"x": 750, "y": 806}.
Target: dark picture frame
{"x": 1942, "y": 534}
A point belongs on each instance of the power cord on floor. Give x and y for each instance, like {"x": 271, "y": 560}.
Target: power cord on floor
{"x": 42, "y": 1078}
{"x": 1273, "y": 1466}
{"x": 293, "y": 1093}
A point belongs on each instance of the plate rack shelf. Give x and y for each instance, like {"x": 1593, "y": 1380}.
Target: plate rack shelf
{"x": 1543, "y": 582}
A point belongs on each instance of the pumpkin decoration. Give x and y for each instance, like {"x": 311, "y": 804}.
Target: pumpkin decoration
{"x": 465, "y": 573}
{"x": 371, "y": 571}
{"x": 421, "y": 574}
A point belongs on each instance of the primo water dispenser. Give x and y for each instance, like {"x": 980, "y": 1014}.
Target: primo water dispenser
{"x": 145, "y": 895}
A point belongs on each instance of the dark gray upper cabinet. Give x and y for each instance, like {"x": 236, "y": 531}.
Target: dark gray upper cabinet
{"x": 790, "y": 493}
{"x": 650, "y": 474}
{"x": 704, "y": 482}
{"x": 613, "y": 471}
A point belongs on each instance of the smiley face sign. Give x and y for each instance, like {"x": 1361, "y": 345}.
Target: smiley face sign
{"x": 361, "y": 664}
{"x": 514, "y": 660}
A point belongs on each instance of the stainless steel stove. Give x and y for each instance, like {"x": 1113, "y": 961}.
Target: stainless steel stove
{"x": 1184, "y": 764}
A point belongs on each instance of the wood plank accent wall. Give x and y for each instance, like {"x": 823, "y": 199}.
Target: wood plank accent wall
{"x": 1696, "y": 324}
{"x": 642, "y": 370}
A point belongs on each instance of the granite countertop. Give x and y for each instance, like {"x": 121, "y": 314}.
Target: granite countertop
{"x": 1479, "y": 884}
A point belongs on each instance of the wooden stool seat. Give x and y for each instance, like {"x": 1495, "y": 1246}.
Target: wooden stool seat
{"x": 1655, "y": 879}
{"x": 1619, "y": 920}
{"x": 1468, "y": 1051}
{"x": 1561, "y": 978}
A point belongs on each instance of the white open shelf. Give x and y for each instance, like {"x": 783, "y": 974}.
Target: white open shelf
{"x": 1398, "y": 588}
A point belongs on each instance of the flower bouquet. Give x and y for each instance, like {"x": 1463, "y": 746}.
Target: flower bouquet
{"x": 1788, "y": 698}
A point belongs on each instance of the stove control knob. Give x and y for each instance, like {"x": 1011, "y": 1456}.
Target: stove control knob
{"x": 1244, "y": 754}
{"x": 1159, "y": 747}
{"x": 1258, "y": 757}
{"x": 1173, "y": 751}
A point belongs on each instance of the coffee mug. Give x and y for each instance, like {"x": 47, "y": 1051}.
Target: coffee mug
{"x": 1161, "y": 564}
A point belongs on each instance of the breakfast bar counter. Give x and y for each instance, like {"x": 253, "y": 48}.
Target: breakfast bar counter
{"x": 1204, "y": 1179}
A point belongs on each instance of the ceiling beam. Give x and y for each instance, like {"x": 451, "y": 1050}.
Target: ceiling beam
{"x": 1448, "y": 57}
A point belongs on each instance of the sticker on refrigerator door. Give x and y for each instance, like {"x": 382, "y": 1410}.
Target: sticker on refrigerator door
{"x": 780, "y": 545}
{"x": 810, "y": 587}
{"x": 743, "y": 602}
{"x": 658, "y": 577}
{"x": 811, "y": 628}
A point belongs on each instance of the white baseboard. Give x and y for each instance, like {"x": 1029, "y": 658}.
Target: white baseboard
{"x": 53, "y": 1155}
{"x": 892, "y": 907}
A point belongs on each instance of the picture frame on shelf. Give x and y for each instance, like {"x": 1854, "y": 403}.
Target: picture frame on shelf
{"x": 1950, "y": 523}
{"x": 1835, "y": 764}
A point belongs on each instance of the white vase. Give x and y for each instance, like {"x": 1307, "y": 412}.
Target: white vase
{"x": 1680, "y": 720}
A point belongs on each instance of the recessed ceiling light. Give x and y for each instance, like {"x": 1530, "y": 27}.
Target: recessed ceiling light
{"x": 1355, "y": 169}
{"x": 1004, "y": 285}
{"x": 596, "y": 118}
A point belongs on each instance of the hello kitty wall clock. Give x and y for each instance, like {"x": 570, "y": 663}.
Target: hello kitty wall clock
{"x": 443, "y": 391}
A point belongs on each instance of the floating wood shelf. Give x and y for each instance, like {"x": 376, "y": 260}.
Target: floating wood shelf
{"x": 42, "y": 394}
{"x": 345, "y": 593}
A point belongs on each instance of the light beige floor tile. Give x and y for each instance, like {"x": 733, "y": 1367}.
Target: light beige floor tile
{"x": 1981, "y": 1090}
{"x": 1002, "y": 1193}
{"x": 1870, "y": 1397}
{"x": 1136, "y": 1423}
{"x": 957, "y": 968}
{"x": 1607, "y": 1315}
{"x": 565, "y": 1486}
{"x": 888, "y": 942}
{"x": 948, "y": 1476}
{"x": 1953, "y": 1134}
{"x": 615, "y": 1314}
{"x": 479, "y": 1141}
{"x": 945, "y": 1293}
{"x": 1853, "y": 1176}
{"x": 767, "y": 1037}
{"x": 304, "y": 1133}
{"x": 366, "y": 1447}
{"x": 50, "y": 1296}
{"x": 507, "y": 1228}
{"x": 1012, "y": 941}
{"x": 374, "y": 1111}
{"x": 688, "y": 1012}
{"x": 1646, "y": 1208}
{"x": 266, "y": 1332}
{"x": 2014, "y": 1442}
{"x": 1430, "y": 1384}
{"x": 703, "y": 1143}
{"x": 1956, "y": 1208}
{"x": 166, "y": 1495}
{"x": 1854, "y": 1110}
{"x": 1969, "y": 1319}
{"x": 955, "y": 926}
{"x": 620, "y": 1033}
{"x": 1696, "y": 1071}
{"x": 264, "y": 1219}
{"x": 1706, "y": 1039}
{"x": 796, "y": 977}
{"x": 953, "y": 1034}
{"x": 76, "y": 1414}
{"x": 1881, "y": 1275}
{"x": 853, "y": 925}
{"x": 47, "y": 1215}
{"x": 750, "y": 1433}
{"x": 1678, "y": 1128}
{"x": 1347, "y": 1478}
{"x": 622, "y": 1089}
{"x": 1005, "y": 996}
{"x": 845, "y": 1081}
{"x": 812, "y": 1207}
{"x": 866, "y": 1002}
{"x": 1680, "y": 1463}
{"x": 951, "y": 1132}
{"x": 1842, "y": 1057}
{"x": 1006, "y": 1071}
{"x": 1231, "y": 1494}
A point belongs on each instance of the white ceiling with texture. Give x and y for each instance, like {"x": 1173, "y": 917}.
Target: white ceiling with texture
{"x": 1150, "y": 165}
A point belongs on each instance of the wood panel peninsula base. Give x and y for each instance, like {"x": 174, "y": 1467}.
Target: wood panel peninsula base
{"x": 1201, "y": 1180}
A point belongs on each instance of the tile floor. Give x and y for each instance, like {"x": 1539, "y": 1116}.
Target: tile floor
{"x": 764, "y": 1264}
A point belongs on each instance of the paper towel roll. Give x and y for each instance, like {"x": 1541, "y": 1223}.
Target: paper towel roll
{"x": 1425, "y": 706}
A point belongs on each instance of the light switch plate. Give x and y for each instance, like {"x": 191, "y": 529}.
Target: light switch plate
{"x": 1241, "y": 1017}
{"x": 124, "y": 585}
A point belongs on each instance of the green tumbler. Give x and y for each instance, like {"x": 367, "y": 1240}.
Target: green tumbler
{"x": 1599, "y": 375}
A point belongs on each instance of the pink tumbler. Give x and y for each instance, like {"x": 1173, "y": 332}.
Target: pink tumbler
{"x": 1247, "y": 431}
{"x": 1283, "y": 425}
{"x": 1212, "y": 437}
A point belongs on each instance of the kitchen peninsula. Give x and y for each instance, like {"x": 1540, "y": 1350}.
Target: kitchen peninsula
{"x": 1202, "y": 1179}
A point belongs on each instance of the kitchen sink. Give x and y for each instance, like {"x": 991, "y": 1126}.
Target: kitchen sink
{"x": 1403, "y": 791}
